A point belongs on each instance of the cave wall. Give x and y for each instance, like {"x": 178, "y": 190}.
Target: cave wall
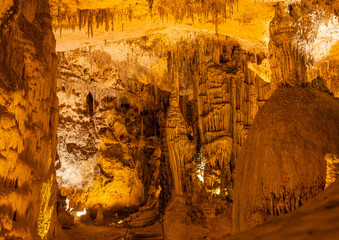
{"x": 110, "y": 145}
{"x": 216, "y": 87}
{"x": 29, "y": 113}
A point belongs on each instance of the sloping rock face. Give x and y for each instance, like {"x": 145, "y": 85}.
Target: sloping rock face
{"x": 282, "y": 163}
{"x": 28, "y": 116}
{"x": 317, "y": 219}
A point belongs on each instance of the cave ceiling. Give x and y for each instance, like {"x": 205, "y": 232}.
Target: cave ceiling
{"x": 245, "y": 19}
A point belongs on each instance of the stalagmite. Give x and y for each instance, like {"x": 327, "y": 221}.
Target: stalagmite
{"x": 179, "y": 147}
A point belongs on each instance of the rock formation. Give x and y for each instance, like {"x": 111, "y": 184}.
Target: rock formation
{"x": 301, "y": 45}
{"x": 276, "y": 175}
{"x": 29, "y": 117}
{"x": 105, "y": 143}
{"x": 317, "y": 219}
{"x": 273, "y": 174}
{"x": 331, "y": 169}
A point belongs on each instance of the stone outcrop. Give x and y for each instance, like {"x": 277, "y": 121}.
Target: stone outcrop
{"x": 282, "y": 163}
{"x": 29, "y": 116}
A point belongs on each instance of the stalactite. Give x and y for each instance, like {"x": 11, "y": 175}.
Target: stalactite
{"x": 107, "y": 14}
{"x": 97, "y": 15}
{"x": 223, "y": 128}
{"x": 80, "y": 18}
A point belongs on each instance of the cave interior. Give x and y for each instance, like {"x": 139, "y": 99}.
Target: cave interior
{"x": 169, "y": 119}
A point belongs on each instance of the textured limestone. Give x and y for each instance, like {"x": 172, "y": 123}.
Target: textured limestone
{"x": 299, "y": 56}
{"x": 282, "y": 163}
{"x": 118, "y": 124}
{"x": 317, "y": 219}
{"x": 303, "y": 45}
{"x": 180, "y": 149}
{"x": 28, "y": 113}
{"x": 220, "y": 95}
{"x": 5, "y": 8}
{"x": 332, "y": 169}
{"x": 109, "y": 147}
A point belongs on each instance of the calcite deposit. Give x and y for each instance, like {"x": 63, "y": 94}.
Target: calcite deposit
{"x": 288, "y": 175}
{"x": 29, "y": 117}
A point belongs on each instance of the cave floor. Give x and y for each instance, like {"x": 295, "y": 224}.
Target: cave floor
{"x": 220, "y": 226}
{"x": 83, "y": 231}
{"x": 91, "y": 232}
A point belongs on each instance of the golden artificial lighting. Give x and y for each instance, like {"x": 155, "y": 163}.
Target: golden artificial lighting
{"x": 45, "y": 209}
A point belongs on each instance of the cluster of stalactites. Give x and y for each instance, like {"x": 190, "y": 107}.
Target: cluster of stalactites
{"x": 73, "y": 76}
{"x": 216, "y": 11}
{"x": 100, "y": 16}
{"x": 87, "y": 17}
{"x": 228, "y": 94}
{"x": 190, "y": 59}
{"x": 180, "y": 9}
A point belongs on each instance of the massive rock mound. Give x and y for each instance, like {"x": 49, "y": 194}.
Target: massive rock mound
{"x": 282, "y": 162}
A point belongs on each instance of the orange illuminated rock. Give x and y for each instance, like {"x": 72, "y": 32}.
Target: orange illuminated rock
{"x": 28, "y": 121}
{"x": 282, "y": 162}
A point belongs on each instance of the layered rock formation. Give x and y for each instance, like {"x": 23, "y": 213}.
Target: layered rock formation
{"x": 216, "y": 90}
{"x": 28, "y": 113}
{"x": 154, "y": 114}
